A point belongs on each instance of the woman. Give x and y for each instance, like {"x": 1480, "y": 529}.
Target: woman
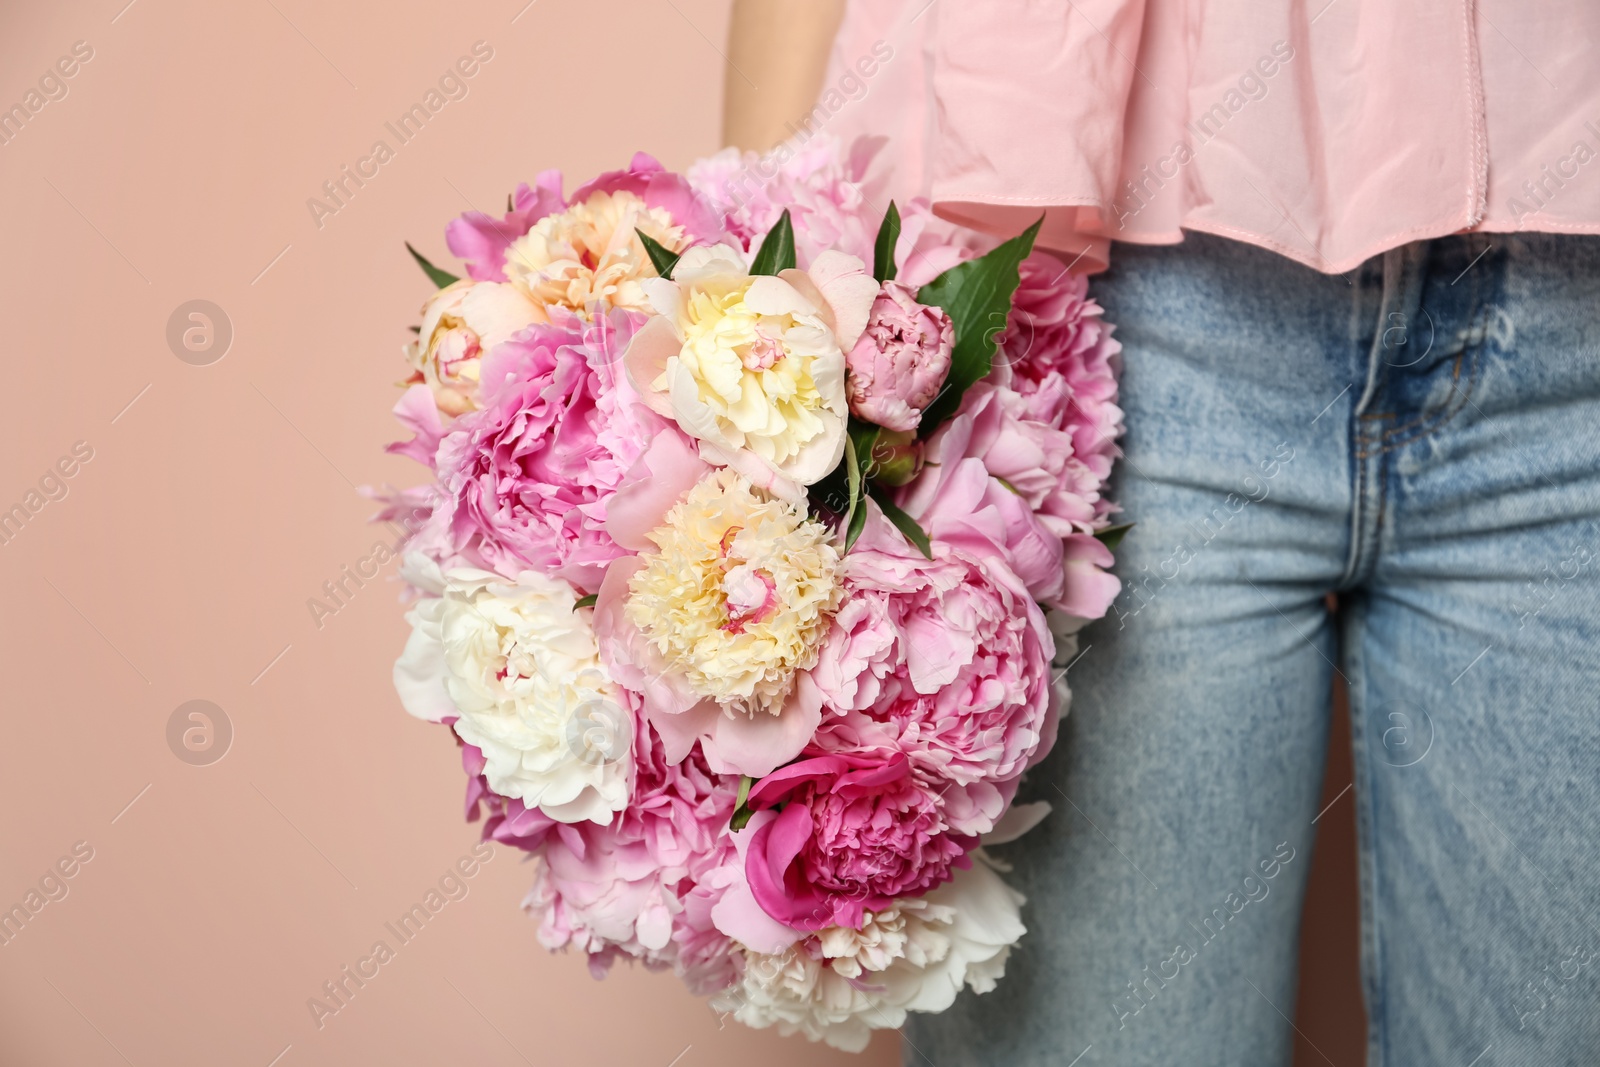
{"x": 1350, "y": 250}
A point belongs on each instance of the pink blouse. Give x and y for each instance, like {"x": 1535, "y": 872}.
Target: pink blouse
{"x": 1327, "y": 130}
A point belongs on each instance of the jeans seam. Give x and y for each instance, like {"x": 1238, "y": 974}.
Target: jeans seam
{"x": 1394, "y": 273}
{"x": 1372, "y": 970}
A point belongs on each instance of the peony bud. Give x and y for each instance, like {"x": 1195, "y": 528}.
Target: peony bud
{"x": 896, "y": 457}
{"x": 901, "y": 360}
{"x": 460, "y": 323}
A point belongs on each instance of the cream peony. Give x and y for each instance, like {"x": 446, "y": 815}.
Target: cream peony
{"x": 460, "y": 323}
{"x": 589, "y": 255}
{"x": 737, "y": 594}
{"x": 754, "y": 364}
{"x": 518, "y": 667}
{"x": 916, "y": 955}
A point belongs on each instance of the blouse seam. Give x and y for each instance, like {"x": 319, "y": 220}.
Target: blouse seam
{"x": 1477, "y": 118}
{"x": 1071, "y": 200}
{"x": 1334, "y": 267}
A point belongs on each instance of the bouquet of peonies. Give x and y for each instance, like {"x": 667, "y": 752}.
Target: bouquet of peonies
{"x": 760, "y": 524}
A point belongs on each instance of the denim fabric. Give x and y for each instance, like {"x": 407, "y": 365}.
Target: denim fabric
{"x": 1423, "y": 437}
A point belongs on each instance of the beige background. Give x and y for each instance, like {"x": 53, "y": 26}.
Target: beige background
{"x": 179, "y": 564}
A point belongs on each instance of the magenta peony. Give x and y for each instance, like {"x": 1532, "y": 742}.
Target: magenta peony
{"x": 898, "y": 365}
{"x": 945, "y": 660}
{"x": 525, "y": 480}
{"x": 855, "y": 832}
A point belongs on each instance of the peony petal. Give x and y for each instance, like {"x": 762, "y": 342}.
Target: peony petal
{"x": 755, "y": 470}
{"x": 1089, "y": 590}
{"x": 419, "y": 673}
{"x": 681, "y": 730}
{"x": 668, "y": 469}
{"x": 1018, "y": 820}
{"x": 708, "y": 261}
{"x": 646, "y": 360}
{"x": 495, "y": 312}
{"x": 418, "y": 413}
{"x": 849, "y": 291}
{"x": 738, "y": 915}
{"x": 757, "y": 744}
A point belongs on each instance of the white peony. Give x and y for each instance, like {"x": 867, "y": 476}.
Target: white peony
{"x": 916, "y": 955}
{"x": 517, "y": 664}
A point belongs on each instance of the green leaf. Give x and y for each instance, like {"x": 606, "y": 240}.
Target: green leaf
{"x": 858, "y": 445}
{"x": 777, "y": 248}
{"x": 741, "y": 813}
{"x": 904, "y": 523}
{"x": 852, "y": 471}
{"x": 663, "y": 259}
{"x": 857, "y": 523}
{"x": 586, "y": 601}
{"x": 1112, "y": 536}
{"x": 976, "y": 295}
{"x": 883, "y": 267}
{"x": 441, "y": 278}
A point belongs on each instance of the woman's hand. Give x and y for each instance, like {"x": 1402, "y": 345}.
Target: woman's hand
{"x": 777, "y": 55}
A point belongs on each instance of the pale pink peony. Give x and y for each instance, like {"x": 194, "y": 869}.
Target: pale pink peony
{"x": 897, "y": 367}
{"x": 855, "y": 832}
{"x": 1059, "y": 355}
{"x": 815, "y": 181}
{"x": 525, "y": 481}
{"x": 946, "y": 661}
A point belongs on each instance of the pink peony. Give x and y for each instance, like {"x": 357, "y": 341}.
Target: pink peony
{"x": 1033, "y": 458}
{"x": 946, "y": 661}
{"x": 856, "y": 831}
{"x": 1059, "y": 355}
{"x": 525, "y": 480}
{"x": 482, "y": 241}
{"x": 898, "y": 365}
{"x": 988, "y": 468}
{"x": 629, "y": 888}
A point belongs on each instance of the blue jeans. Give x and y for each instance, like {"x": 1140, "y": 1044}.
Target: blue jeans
{"x": 1422, "y": 437}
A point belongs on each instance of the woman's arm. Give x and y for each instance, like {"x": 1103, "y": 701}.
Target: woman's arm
{"x": 777, "y": 55}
